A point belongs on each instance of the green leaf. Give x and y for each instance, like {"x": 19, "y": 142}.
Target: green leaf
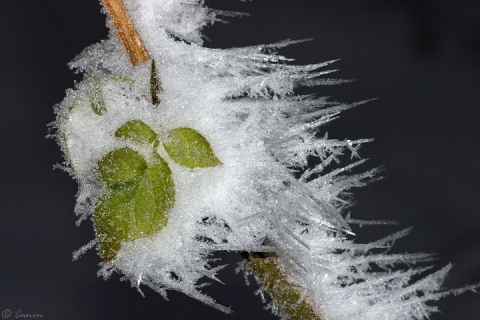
{"x": 190, "y": 149}
{"x": 114, "y": 218}
{"x": 123, "y": 79}
{"x": 134, "y": 209}
{"x": 137, "y": 130}
{"x": 95, "y": 97}
{"x": 121, "y": 166}
{"x": 154, "y": 196}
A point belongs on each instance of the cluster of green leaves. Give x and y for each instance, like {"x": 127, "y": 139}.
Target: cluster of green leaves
{"x": 138, "y": 194}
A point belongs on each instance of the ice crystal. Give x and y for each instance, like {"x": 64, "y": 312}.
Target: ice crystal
{"x": 242, "y": 101}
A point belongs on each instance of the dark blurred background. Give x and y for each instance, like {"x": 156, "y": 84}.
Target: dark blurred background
{"x": 420, "y": 58}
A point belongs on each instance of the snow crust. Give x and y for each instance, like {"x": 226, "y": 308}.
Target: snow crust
{"x": 242, "y": 100}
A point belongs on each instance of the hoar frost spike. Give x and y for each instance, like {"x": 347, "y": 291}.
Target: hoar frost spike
{"x": 181, "y": 151}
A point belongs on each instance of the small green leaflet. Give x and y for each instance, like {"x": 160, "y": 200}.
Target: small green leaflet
{"x": 138, "y": 194}
{"x": 95, "y": 98}
{"x": 121, "y": 166}
{"x": 137, "y": 131}
{"x": 123, "y": 79}
{"x": 190, "y": 149}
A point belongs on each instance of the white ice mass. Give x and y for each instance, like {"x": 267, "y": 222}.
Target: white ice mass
{"x": 264, "y": 196}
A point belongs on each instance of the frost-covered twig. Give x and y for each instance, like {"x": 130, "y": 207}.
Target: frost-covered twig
{"x": 273, "y": 278}
{"x": 265, "y": 267}
{"x": 219, "y": 161}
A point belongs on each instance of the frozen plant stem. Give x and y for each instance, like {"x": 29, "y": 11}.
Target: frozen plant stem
{"x": 126, "y": 31}
{"x": 272, "y": 277}
{"x": 265, "y": 267}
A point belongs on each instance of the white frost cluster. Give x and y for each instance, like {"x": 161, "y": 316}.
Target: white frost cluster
{"x": 242, "y": 100}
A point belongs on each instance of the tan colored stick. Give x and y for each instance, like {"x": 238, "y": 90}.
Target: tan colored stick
{"x": 126, "y": 31}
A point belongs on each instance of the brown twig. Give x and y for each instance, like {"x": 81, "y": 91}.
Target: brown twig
{"x": 126, "y": 31}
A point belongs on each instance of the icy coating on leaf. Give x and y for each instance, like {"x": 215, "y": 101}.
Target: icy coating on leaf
{"x": 138, "y": 131}
{"x": 189, "y": 148}
{"x": 121, "y": 166}
{"x": 242, "y": 101}
{"x": 135, "y": 200}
